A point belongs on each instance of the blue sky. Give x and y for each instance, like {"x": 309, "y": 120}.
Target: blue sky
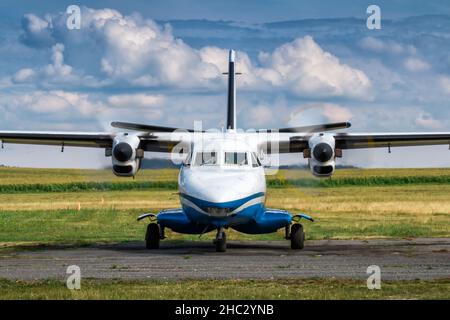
{"x": 160, "y": 62}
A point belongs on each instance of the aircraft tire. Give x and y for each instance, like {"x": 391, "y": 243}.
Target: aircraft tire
{"x": 152, "y": 236}
{"x": 297, "y": 236}
{"x": 221, "y": 245}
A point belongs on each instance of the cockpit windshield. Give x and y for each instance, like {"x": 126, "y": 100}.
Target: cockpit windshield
{"x": 206, "y": 158}
{"x": 236, "y": 158}
{"x": 225, "y": 158}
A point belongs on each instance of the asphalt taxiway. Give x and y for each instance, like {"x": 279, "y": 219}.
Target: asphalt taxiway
{"x": 422, "y": 258}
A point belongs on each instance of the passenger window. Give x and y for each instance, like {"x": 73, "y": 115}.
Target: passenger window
{"x": 206, "y": 158}
{"x": 236, "y": 158}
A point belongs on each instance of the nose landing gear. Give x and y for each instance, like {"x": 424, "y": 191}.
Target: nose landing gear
{"x": 220, "y": 241}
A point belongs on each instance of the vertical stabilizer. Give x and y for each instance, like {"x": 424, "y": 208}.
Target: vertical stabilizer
{"x": 231, "y": 111}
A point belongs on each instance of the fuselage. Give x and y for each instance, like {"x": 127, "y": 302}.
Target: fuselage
{"x": 222, "y": 184}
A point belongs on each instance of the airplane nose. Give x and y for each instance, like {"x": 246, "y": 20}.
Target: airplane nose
{"x": 223, "y": 189}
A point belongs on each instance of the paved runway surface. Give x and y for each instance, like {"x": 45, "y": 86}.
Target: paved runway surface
{"x": 398, "y": 259}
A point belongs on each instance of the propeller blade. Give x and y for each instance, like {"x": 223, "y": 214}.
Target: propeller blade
{"x": 145, "y": 127}
{"x": 314, "y": 128}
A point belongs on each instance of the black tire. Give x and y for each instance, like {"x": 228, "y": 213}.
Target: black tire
{"x": 152, "y": 236}
{"x": 297, "y": 236}
{"x": 221, "y": 245}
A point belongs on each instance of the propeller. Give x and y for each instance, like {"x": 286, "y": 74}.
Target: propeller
{"x": 145, "y": 127}
{"x": 314, "y": 128}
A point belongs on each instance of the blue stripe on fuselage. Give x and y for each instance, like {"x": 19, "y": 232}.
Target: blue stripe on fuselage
{"x": 232, "y": 205}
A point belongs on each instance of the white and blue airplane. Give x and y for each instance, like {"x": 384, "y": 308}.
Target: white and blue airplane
{"x": 222, "y": 181}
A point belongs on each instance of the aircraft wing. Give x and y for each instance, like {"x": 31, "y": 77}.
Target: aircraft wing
{"x": 156, "y": 142}
{"x": 297, "y": 143}
{"x": 379, "y": 140}
{"x": 73, "y": 139}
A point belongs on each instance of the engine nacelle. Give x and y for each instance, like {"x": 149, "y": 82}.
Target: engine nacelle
{"x": 322, "y": 157}
{"x": 126, "y": 155}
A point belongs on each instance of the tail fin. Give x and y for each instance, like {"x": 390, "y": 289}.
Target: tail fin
{"x": 231, "y": 113}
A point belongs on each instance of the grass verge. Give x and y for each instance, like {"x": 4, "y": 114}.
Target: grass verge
{"x": 226, "y": 289}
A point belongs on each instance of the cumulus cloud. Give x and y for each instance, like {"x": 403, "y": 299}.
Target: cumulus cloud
{"x": 141, "y": 53}
{"x": 57, "y": 68}
{"x": 137, "y": 51}
{"x": 53, "y": 101}
{"x": 36, "y": 31}
{"x": 304, "y": 67}
{"x": 56, "y": 72}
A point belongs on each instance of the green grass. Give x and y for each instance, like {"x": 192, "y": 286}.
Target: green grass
{"x": 382, "y": 206}
{"x": 57, "y": 176}
{"x": 226, "y": 289}
{"x": 87, "y": 226}
{"x": 21, "y": 180}
{"x": 271, "y": 183}
{"x": 87, "y": 186}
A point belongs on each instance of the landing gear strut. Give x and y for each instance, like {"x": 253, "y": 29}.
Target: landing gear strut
{"x": 297, "y": 236}
{"x": 221, "y": 240}
{"x": 152, "y": 236}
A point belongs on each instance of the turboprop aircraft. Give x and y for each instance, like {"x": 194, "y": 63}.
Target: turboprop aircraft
{"x": 222, "y": 181}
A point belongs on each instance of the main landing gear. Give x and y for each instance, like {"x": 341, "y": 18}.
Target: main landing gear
{"x": 297, "y": 236}
{"x": 295, "y": 232}
{"x": 154, "y": 233}
{"x": 221, "y": 240}
{"x": 152, "y": 236}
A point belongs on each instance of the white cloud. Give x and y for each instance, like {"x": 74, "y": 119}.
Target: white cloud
{"x": 24, "y": 75}
{"x": 37, "y": 31}
{"x": 55, "y": 73}
{"x": 304, "y": 67}
{"x": 53, "y": 102}
{"x": 389, "y": 46}
{"x": 416, "y": 65}
{"x": 141, "y": 53}
{"x": 136, "y": 100}
{"x": 57, "y": 68}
